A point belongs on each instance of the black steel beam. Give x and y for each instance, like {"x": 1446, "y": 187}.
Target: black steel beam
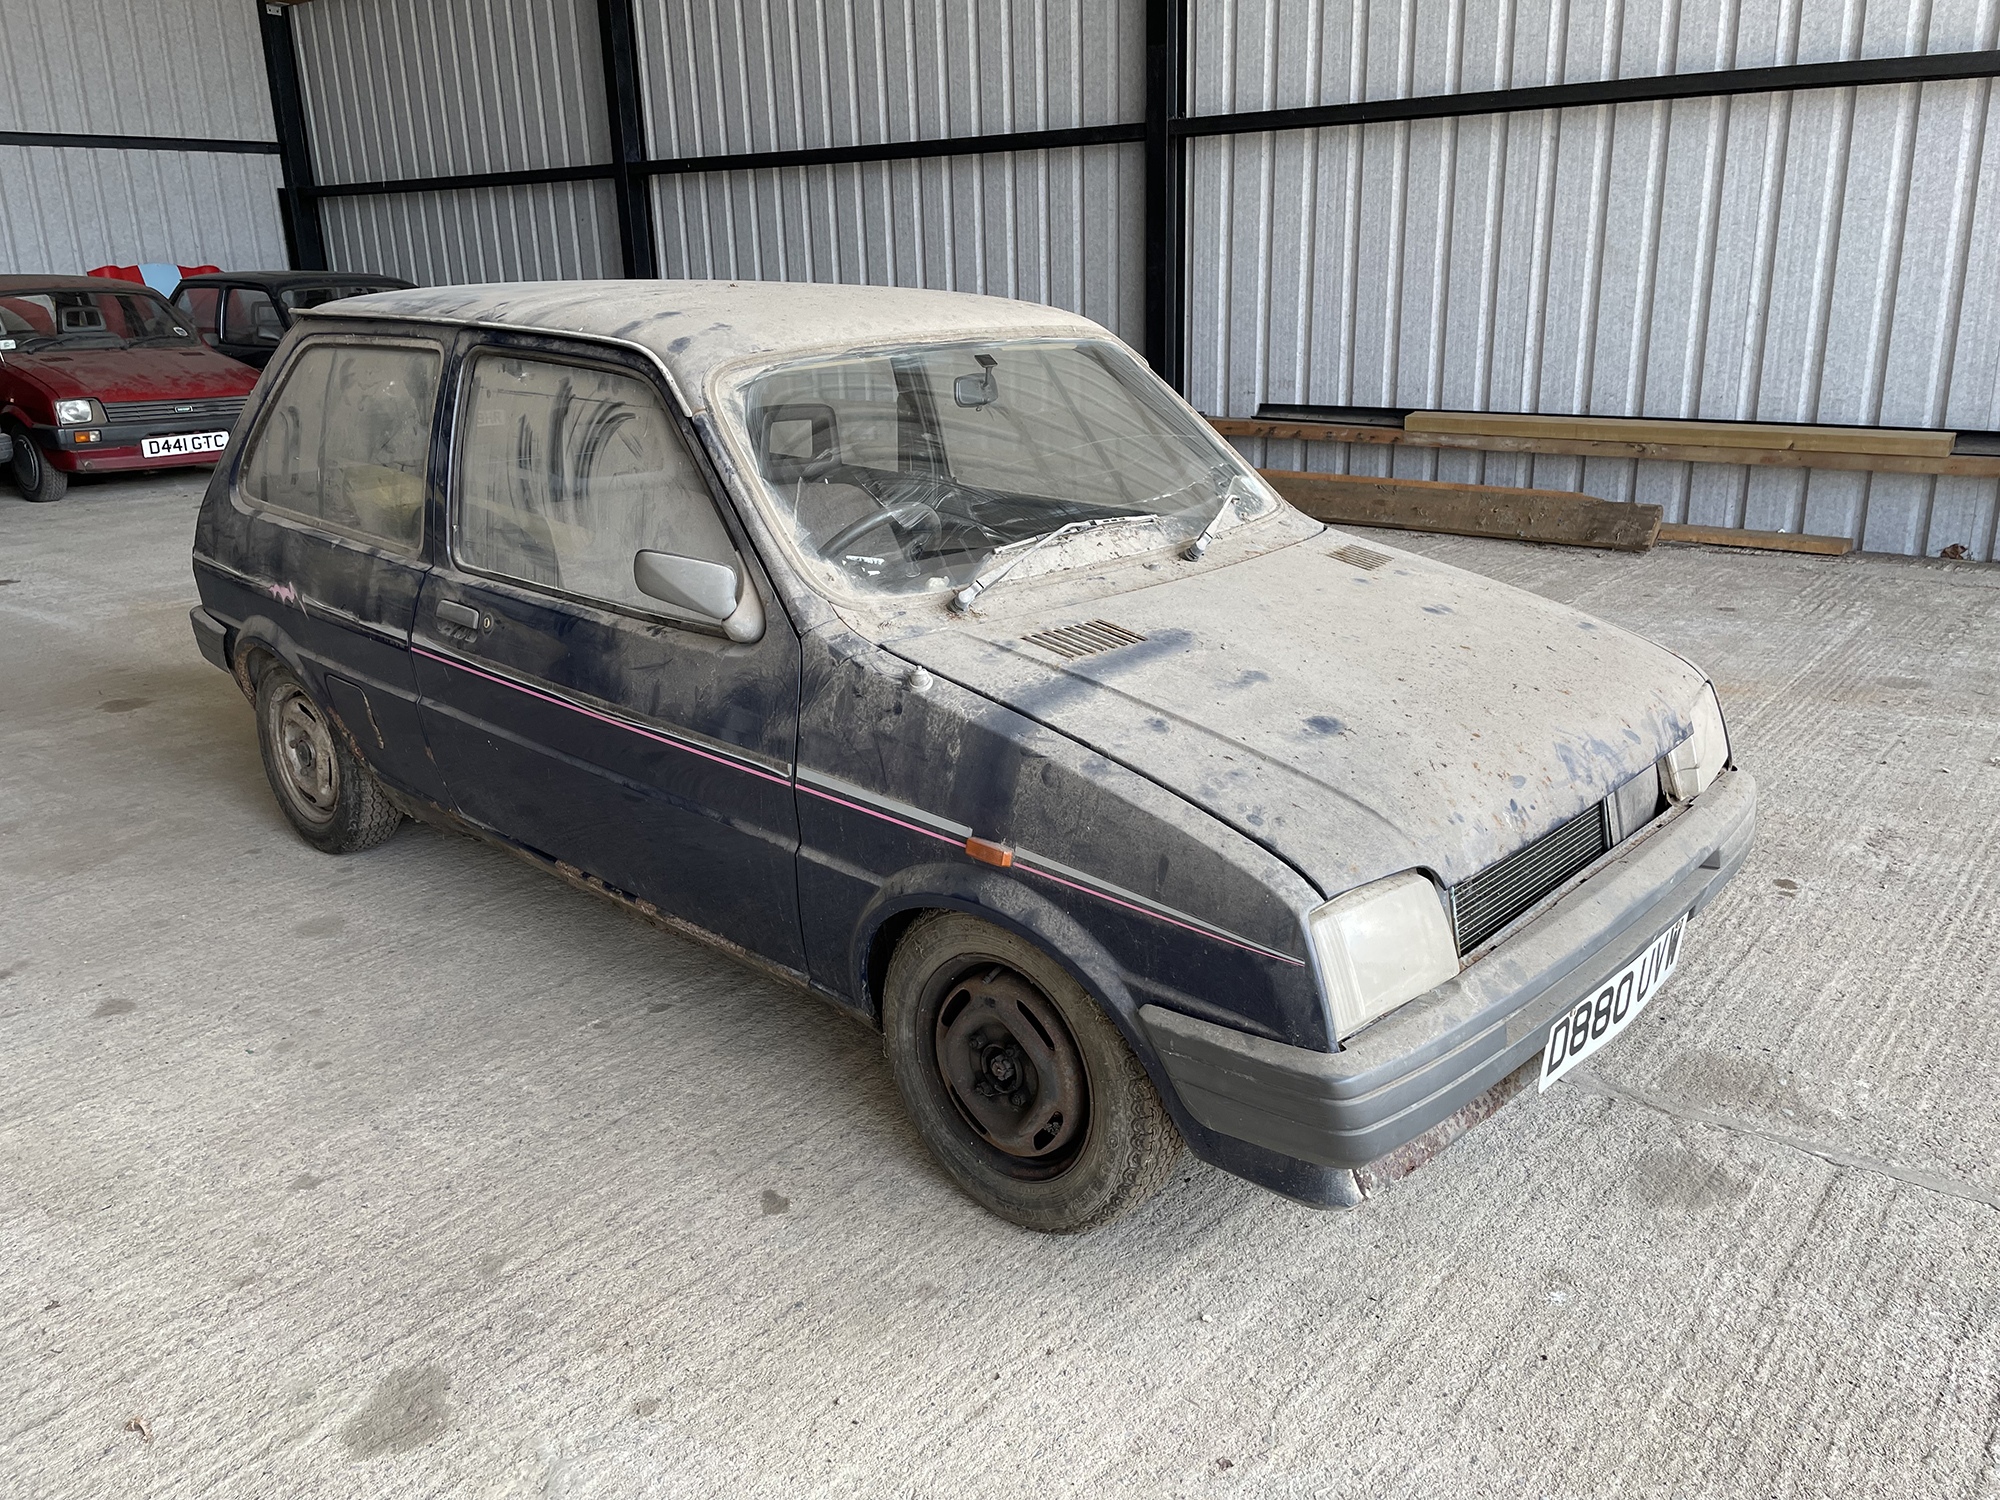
{"x": 1166, "y": 185}
{"x": 843, "y": 156}
{"x": 527, "y": 177}
{"x": 1937, "y": 68}
{"x": 751, "y": 161}
{"x": 305, "y": 239}
{"x": 618, "y": 39}
{"x": 138, "y": 142}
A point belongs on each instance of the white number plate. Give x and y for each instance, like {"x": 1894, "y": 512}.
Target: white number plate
{"x": 183, "y": 444}
{"x": 1612, "y": 1006}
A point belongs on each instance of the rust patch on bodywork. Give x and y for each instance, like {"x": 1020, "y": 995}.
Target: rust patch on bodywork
{"x": 1406, "y": 1158}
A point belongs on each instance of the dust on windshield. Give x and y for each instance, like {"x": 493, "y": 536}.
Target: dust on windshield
{"x": 77, "y": 319}
{"x": 918, "y": 469}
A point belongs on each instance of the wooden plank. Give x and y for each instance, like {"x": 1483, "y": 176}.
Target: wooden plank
{"x": 1557, "y": 516}
{"x": 1769, "y": 541}
{"x": 1774, "y": 436}
{"x": 1962, "y": 464}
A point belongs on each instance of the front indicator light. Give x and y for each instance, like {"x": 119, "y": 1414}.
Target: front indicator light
{"x": 73, "y": 413}
{"x": 1379, "y": 946}
{"x": 1691, "y": 767}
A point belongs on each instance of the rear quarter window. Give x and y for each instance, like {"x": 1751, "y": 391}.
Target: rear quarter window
{"x": 345, "y": 441}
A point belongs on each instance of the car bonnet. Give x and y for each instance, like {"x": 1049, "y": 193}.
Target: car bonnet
{"x": 1356, "y": 720}
{"x": 179, "y": 372}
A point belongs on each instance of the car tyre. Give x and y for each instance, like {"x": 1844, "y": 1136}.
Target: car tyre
{"x": 36, "y": 479}
{"x": 329, "y": 796}
{"x": 1021, "y": 1087}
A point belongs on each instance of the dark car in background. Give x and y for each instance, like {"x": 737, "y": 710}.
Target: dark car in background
{"x": 245, "y": 313}
{"x": 99, "y": 375}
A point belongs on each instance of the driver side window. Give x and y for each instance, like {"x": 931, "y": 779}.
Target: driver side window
{"x": 250, "y": 317}
{"x": 566, "y": 472}
{"x": 201, "y": 304}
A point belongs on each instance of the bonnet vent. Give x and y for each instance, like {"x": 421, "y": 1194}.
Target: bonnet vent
{"x": 1073, "y": 641}
{"x": 1365, "y": 558}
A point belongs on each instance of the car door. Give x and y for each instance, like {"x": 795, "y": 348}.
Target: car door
{"x": 573, "y": 713}
{"x": 202, "y": 307}
{"x": 251, "y": 327}
{"x": 331, "y": 512}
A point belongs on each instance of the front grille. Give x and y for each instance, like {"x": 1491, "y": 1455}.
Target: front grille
{"x": 221, "y": 410}
{"x": 1488, "y": 901}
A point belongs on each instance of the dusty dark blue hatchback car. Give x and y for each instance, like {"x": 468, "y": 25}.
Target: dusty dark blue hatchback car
{"x": 926, "y": 650}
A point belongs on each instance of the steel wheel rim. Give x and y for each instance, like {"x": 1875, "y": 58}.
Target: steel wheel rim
{"x": 303, "y": 748}
{"x": 1005, "y": 1061}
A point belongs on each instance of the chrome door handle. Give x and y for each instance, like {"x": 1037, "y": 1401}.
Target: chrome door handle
{"x": 453, "y": 613}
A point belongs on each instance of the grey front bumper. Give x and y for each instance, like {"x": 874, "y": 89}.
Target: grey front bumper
{"x": 1447, "y": 1058}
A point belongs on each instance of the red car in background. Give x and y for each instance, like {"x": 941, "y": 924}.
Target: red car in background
{"x": 99, "y": 375}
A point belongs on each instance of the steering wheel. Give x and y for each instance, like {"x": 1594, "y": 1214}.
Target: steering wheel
{"x": 912, "y": 513}
{"x": 813, "y": 470}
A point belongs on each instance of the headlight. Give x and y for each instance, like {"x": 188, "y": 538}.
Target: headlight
{"x": 1379, "y": 946}
{"x": 1692, "y": 765}
{"x": 75, "y": 413}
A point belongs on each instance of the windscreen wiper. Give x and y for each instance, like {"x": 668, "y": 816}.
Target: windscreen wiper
{"x": 1225, "y": 483}
{"x": 963, "y": 599}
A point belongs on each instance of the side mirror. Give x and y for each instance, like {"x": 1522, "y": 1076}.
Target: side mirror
{"x": 710, "y": 589}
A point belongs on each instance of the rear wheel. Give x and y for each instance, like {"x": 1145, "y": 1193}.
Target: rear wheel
{"x": 1019, "y": 1085}
{"x": 33, "y": 476}
{"x": 331, "y": 798}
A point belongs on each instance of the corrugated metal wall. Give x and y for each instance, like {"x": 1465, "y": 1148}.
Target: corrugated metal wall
{"x": 463, "y": 87}
{"x": 1820, "y": 257}
{"x": 68, "y": 211}
{"x": 1044, "y": 226}
{"x": 1816, "y": 257}
{"x": 134, "y": 67}
{"x": 146, "y": 68}
{"x": 1047, "y": 226}
{"x": 553, "y": 231}
{"x": 729, "y": 76}
{"x": 458, "y": 87}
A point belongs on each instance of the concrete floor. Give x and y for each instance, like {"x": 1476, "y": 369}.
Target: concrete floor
{"x": 418, "y": 1173}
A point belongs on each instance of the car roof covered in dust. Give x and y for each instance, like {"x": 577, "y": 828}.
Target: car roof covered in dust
{"x": 696, "y": 327}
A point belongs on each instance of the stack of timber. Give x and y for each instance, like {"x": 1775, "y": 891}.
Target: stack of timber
{"x": 1570, "y": 519}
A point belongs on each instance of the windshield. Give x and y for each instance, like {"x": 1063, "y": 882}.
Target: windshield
{"x": 296, "y": 297}
{"x": 63, "y": 318}
{"x": 911, "y": 470}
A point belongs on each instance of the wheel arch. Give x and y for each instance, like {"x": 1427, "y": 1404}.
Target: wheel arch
{"x": 254, "y": 645}
{"x": 1006, "y": 903}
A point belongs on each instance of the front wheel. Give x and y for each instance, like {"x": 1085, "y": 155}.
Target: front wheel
{"x": 329, "y": 796}
{"x": 1020, "y": 1086}
{"x": 34, "y": 477}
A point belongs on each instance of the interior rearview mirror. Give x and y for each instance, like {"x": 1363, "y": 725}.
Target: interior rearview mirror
{"x": 982, "y": 389}
{"x": 713, "y": 590}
